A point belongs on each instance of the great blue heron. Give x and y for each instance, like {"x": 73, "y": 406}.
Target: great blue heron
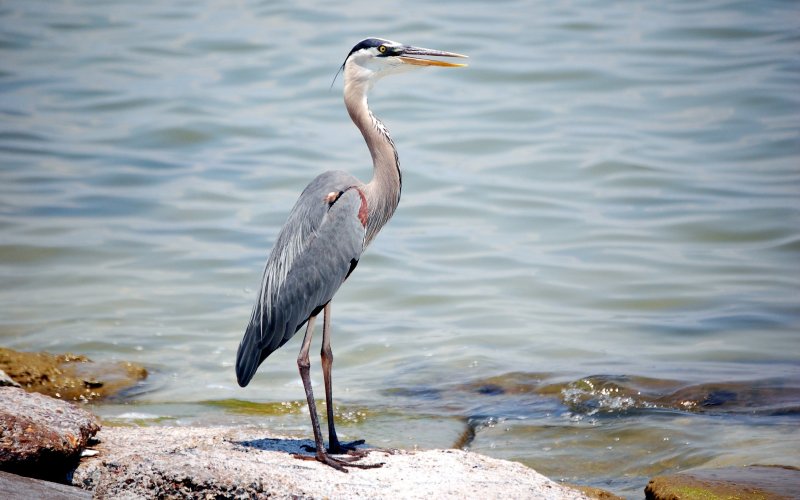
{"x": 331, "y": 224}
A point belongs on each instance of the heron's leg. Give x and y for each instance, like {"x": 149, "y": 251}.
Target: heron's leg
{"x": 334, "y": 446}
{"x": 304, "y": 365}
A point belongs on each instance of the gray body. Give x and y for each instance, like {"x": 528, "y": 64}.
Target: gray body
{"x": 316, "y": 250}
{"x": 331, "y": 224}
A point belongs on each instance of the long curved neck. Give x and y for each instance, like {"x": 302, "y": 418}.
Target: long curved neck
{"x": 383, "y": 191}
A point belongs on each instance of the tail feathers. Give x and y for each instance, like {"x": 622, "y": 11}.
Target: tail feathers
{"x": 249, "y": 355}
{"x": 257, "y": 345}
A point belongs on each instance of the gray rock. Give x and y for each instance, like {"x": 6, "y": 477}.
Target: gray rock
{"x": 41, "y": 436}
{"x": 231, "y": 463}
{"x": 18, "y": 487}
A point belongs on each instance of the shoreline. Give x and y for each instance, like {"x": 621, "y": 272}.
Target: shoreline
{"x": 229, "y": 462}
{"x": 63, "y": 443}
{"x": 50, "y": 438}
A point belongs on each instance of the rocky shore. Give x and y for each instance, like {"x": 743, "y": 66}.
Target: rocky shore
{"x": 41, "y": 436}
{"x": 48, "y": 438}
{"x": 229, "y": 463}
{"x": 56, "y": 440}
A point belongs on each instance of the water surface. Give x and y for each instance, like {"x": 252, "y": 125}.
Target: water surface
{"x": 593, "y": 269}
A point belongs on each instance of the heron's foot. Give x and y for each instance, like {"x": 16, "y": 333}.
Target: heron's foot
{"x": 337, "y": 448}
{"x": 338, "y": 463}
{"x": 349, "y": 448}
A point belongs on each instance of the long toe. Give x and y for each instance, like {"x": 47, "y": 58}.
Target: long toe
{"x": 325, "y": 459}
{"x": 339, "y": 463}
{"x": 361, "y": 466}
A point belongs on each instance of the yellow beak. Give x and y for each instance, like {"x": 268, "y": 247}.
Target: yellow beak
{"x": 430, "y": 62}
{"x": 407, "y": 53}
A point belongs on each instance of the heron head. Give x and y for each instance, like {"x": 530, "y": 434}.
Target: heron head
{"x": 373, "y": 58}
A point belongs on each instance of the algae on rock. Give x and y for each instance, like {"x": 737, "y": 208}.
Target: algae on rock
{"x": 69, "y": 376}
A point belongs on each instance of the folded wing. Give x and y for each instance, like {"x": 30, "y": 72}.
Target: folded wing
{"x": 316, "y": 250}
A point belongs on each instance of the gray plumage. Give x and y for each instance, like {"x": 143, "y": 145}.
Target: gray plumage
{"x": 315, "y": 251}
{"x": 331, "y": 224}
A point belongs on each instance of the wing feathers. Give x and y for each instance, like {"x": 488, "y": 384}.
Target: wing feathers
{"x": 310, "y": 260}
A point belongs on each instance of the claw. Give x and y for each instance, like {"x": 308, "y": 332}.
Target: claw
{"x": 337, "y": 463}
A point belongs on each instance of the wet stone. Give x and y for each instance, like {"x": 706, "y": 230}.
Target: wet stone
{"x": 597, "y": 493}
{"x": 41, "y": 436}
{"x": 69, "y": 376}
{"x": 765, "y": 482}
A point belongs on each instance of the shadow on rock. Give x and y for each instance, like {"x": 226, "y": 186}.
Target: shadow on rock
{"x": 291, "y": 446}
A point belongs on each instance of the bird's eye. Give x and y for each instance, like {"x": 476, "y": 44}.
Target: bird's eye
{"x": 382, "y": 49}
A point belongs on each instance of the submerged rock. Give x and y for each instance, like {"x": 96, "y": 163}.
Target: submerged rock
{"x": 616, "y": 394}
{"x": 41, "y": 436}
{"x": 597, "y": 493}
{"x": 222, "y": 463}
{"x": 764, "y": 482}
{"x": 69, "y": 376}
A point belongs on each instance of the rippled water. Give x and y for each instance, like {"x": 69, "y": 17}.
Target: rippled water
{"x": 593, "y": 269}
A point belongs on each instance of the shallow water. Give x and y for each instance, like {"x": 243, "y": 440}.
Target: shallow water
{"x": 593, "y": 269}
